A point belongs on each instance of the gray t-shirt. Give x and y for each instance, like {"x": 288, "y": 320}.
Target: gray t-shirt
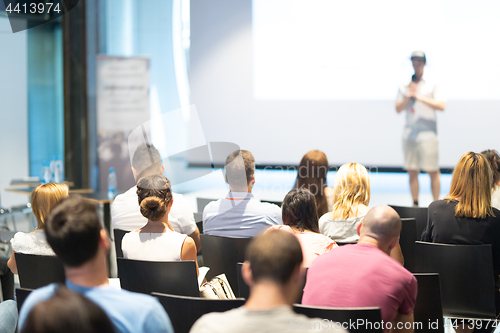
{"x": 242, "y": 320}
{"x": 340, "y": 230}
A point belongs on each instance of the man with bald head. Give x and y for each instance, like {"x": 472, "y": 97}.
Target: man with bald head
{"x": 364, "y": 274}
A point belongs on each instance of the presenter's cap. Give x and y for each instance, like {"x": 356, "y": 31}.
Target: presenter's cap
{"x": 418, "y": 55}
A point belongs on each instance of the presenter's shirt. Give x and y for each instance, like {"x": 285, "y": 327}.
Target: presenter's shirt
{"x": 420, "y": 118}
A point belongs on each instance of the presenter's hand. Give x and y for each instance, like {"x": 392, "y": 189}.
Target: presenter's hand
{"x": 412, "y": 90}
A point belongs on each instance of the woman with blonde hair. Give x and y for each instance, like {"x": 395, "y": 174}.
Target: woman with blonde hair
{"x": 465, "y": 216}
{"x": 43, "y": 199}
{"x": 351, "y": 196}
{"x": 157, "y": 240}
{"x": 311, "y": 175}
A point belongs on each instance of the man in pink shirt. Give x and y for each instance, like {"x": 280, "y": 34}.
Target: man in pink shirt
{"x": 363, "y": 274}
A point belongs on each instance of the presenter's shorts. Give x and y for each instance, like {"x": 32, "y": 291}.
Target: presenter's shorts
{"x": 421, "y": 155}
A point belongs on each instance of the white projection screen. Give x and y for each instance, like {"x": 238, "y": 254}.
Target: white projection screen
{"x": 282, "y": 77}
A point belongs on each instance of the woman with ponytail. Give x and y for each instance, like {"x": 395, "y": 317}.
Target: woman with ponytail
{"x": 157, "y": 241}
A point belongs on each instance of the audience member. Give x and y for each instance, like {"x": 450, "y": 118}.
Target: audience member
{"x": 311, "y": 174}
{"x": 494, "y": 159}
{"x": 273, "y": 271}
{"x": 125, "y": 212}
{"x": 300, "y": 218}
{"x": 351, "y": 196}
{"x": 67, "y": 311}
{"x": 465, "y": 216}
{"x": 43, "y": 199}
{"x": 75, "y": 234}
{"x": 239, "y": 214}
{"x": 8, "y": 316}
{"x": 363, "y": 274}
{"x": 157, "y": 240}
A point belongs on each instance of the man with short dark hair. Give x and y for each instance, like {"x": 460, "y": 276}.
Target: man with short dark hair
{"x": 273, "y": 270}
{"x": 239, "y": 214}
{"x": 364, "y": 275}
{"x": 125, "y": 212}
{"x": 75, "y": 234}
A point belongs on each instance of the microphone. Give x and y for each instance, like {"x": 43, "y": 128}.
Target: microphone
{"x": 412, "y": 99}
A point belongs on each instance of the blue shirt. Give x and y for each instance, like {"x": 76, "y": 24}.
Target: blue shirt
{"x": 128, "y": 311}
{"x": 239, "y": 215}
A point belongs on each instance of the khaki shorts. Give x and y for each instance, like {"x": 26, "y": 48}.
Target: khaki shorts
{"x": 421, "y": 155}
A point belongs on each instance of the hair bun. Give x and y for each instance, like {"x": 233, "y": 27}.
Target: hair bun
{"x": 153, "y": 208}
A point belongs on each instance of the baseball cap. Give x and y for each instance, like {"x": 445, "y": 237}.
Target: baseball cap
{"x": 418, "y": 55}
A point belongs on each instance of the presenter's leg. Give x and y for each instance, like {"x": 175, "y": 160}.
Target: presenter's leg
{"x": 411, "y": 153}
{"x": 429, "y": 162}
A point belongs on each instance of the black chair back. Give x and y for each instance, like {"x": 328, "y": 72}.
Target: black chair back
{"x": 345, "y": 316}
{"x": 198, "y": 218}
{"x": 184, "y": 311}
{"x": 244, "y": 289}
{"x": 36, "y": 271}
{"x": 172, "y": 277}
{"x": 466, "y": 275}
{"x": 428, "y": 309}
{"x": 118, "y": 234}
{"x": 222, "y": 254}
{"x": 202, "y": 202}
{"x": 407, "y": 239}
{"x": 21, "y": 295}
{"x": 418, "y": 213}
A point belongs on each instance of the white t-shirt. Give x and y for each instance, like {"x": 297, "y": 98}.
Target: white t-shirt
{"x": 126, "y": 215}
{"x": 282, "y": 319}
{"x": 239, "y": 215}
{"x": 32, "y": 243}
{"x": 421, "y": 119}
{"x": 340, "y": 230}
{"x": 153, "y": 246}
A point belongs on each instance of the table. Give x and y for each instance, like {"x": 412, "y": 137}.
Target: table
{"x": 32, "y": 181}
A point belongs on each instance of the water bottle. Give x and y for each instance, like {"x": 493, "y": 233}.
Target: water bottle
{"x": 111, "y": 183}
{"x": 58, "y": 170}
{"x": 46, "y": 174}
{"x": 53, "y": 162}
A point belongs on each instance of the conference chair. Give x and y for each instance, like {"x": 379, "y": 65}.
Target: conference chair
{"x": 118, "y": 235}
{"x": 21, "y": 295}
{"x": 428, "y": 309}
{"x": 366, "y": 319}
{"x": 244, "y": 289}
{"x": 202, "y": 202}
{"x": 407, "y": 239}
{"x": 222, "y": 254}
{"x": 466, "y": 275}
{"x": 36, "y": 271}
{"x": 198, "y": 218}
{"x": 418, "y": 213}
{"x": 171, "y": 277}
{"x": 184, "y": 311}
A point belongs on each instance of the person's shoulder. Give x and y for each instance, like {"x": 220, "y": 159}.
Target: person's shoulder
{"x": 142, "y": 301}
{"x": 326, "y": 217}
{"x": 268, "y": 206}
{"x": 126, "y": 196}
{"x": 441, "y": 204}
{"x": 35, "y": 297}
{"x": 216, "y": 321}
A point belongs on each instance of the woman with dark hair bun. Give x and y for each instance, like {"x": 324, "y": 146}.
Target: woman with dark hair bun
{"x": 300, "y": 217}
{"x": 157, "y": 241}
{"x": 67, "y": 311}
{"x": 494, "y": 159}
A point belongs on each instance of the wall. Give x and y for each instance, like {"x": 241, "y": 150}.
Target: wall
{"x": 13, "y": 111}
